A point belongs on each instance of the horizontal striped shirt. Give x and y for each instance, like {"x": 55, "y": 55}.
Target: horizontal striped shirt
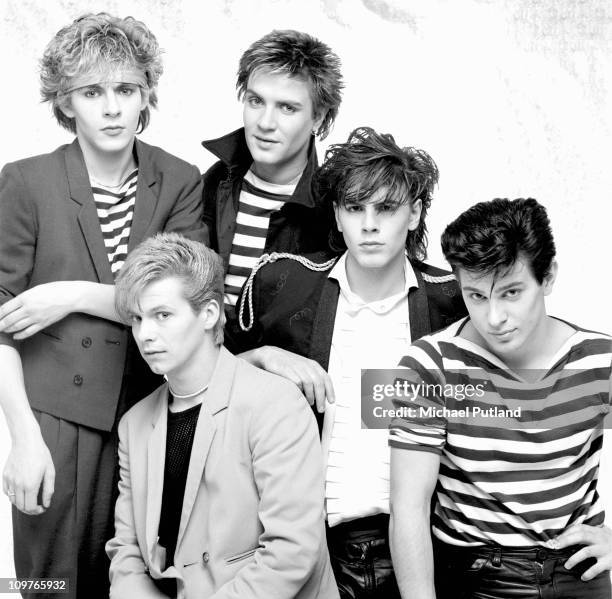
{"x": 115, "y": 209}
{"x": 257, "y": 202}
{"x": 519, "y": 459}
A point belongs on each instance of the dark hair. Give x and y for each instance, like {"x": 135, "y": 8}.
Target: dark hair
{"x": 98, "y": 42}
{"x": 297, "y": 54}
{"x": 171, "y": 255}
{"x": 490, "y": 236}
{"x": 353, "y": 171}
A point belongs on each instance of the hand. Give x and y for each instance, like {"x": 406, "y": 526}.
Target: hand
{"x": 307, "y": 374}
{"x": 28, "y": 465}
{"x": 598, "y": 541}
{"x": 37, "y": 308}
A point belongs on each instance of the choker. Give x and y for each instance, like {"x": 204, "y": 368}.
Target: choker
{"x": 187, "y": 395}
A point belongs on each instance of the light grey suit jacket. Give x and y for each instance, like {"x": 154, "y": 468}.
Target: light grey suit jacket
{"x": 252, "y": 524}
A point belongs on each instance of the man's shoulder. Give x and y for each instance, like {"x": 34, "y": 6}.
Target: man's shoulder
{"x": 143, "y": 410}
{"x": 34, "y": 165}
{"x": 164, "y": 161}
{"x": 257, "y": 390}
{"x": 306, "y": 268}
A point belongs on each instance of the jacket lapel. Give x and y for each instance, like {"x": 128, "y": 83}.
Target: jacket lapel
{"x": 216, "y": 399}
{"x": 156, "y": 457}
{"x": 80, "y": 192}
{"x": 418, "y": 308}
{"x": 146, "y": 199}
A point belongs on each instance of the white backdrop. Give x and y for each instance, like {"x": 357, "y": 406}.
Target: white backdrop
{"x": 511, "y": 98}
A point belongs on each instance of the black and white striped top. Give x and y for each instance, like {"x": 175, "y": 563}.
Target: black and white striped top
{"x": 115, "y": 209}
{"x": 258, "y": 201}
{"x": 511, "y": 479}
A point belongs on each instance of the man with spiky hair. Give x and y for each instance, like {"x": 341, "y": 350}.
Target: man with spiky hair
{"x": 67, "y": 222}
{"x": 259, "y": 197}
{"x": 318, "y": 322}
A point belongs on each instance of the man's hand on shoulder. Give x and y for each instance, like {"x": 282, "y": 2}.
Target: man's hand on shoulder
{"x": 310, "y": 378}
{"x": 29, "y": 465}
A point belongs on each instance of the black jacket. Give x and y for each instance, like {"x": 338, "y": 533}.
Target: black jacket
{"x": 295, "y": 307}
{"x": 299, "y": 227}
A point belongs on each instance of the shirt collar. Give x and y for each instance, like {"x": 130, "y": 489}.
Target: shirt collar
{"x": 383, "y": 306}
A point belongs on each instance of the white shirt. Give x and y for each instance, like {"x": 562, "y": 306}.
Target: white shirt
{"x": 366, "y": 335}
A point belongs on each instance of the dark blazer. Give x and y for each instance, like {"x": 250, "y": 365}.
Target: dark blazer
{"x": 295, "y": 307}
{"x": 299, "y": 227}
{"x": 49, "y": 231}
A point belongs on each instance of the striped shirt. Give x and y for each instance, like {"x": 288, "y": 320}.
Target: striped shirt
{"x": 115, "y": 209}
{"x": 258, "y": 201}
{"x": 527, "y": 469}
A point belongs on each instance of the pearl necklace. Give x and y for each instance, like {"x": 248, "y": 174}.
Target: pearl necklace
{"x": 187, "y": 395}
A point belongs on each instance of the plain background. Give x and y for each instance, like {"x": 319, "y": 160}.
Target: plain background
{"x": 512, "y": 98}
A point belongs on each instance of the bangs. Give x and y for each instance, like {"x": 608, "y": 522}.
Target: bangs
{"x": 363, "y": 183}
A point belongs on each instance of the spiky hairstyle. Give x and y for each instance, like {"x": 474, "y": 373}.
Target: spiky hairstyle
{"x": 297, "y": 54}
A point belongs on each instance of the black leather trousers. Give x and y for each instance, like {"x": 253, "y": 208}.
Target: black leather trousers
{"x": 361, "y": 559}
{"x": 502, "y": 573}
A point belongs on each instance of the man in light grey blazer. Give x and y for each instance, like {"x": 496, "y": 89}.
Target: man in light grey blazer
{"x": 221, "y": 488}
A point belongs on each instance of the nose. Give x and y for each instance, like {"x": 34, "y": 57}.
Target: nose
{"x": 369, "y": 220}
{"x": 497, "y": 314}
{"x": 111, "y": 103}
{"x": 267, "y": 118}
{"x": 143, "y": 331}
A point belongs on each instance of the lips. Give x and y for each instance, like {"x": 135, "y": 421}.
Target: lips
{"x": 113, "y": 130}
{"x": 503, "y": 334}
{"x": 264, "y": 140}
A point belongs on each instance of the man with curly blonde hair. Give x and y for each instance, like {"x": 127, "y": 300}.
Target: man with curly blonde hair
{"x": 67, "y": 222}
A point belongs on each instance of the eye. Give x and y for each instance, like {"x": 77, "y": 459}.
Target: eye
{"x": 288, "y": 108}
{"x": 91, "y": 92}
{"x": 135, "y": 319}
{"x": 477, "y": 297}
{"x": 353, "y": 207}
{"x": 512, "y": 293}
{"x": 386, "y": 207}
{"x": 127, "y": 90}
{"x": 254, "y": 101}
{"x": 162, "y": 315}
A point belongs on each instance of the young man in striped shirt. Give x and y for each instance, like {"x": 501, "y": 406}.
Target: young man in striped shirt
{"x": 67, "y": 222}
{"x": 259, "y": 197}
{"x": 514, "y": 467}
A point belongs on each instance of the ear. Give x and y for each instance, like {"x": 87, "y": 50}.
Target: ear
{"x": 550, "y": 278}
{"x": 318, "y": 121}
{"x": 415, "y": 215}
{"x": 210, "y": 314}
{"x": 66, "y": 108}
{"x": 144, "y": 98}
{"x": 337, "y": 215}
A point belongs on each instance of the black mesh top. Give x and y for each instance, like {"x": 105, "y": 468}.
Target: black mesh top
{"x": 181, "y": 430}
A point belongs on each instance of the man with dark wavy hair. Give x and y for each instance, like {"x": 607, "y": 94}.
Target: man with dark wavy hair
{"x": 259, "y": 196}
{"x": 514, "y": 470}
{"x": 318, "y": 322}
{"x": 67, "y": 222}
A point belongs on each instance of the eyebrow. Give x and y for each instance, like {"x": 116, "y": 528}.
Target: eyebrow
{"x": 291, "y": 102}
{"x": 502, "y": 288}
